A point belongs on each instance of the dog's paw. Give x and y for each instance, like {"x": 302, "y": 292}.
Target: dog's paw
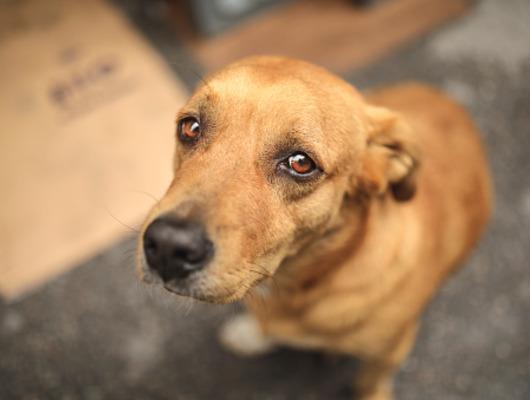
{"x": 242, "y": 335}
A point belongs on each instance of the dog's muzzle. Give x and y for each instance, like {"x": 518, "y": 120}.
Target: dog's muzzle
{"x": 175, "y": 248}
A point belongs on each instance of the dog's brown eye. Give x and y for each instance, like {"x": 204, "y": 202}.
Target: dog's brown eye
{"x": 189, "y": 129}
{"x": 300, "y": 167}
{"x": 301, "y": 164}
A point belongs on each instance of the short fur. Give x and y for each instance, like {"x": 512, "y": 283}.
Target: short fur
{"x": 345, "y": 263}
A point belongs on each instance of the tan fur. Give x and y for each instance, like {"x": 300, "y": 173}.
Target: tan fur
{"x": 348, "y": 262}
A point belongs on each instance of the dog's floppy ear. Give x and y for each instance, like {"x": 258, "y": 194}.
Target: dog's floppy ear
{"x": 391, "y": 160}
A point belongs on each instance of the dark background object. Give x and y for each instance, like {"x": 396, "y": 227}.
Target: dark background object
{"x": 363, "y": 3}
{"x": 332, "y": 33}
{"x": 213, "y": 16}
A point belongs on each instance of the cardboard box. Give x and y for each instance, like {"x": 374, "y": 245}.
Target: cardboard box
{"x": 87, "y": 135}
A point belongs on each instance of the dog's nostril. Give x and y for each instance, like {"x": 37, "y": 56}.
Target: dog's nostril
{"x": 175, "y": 248}
{"x": 185, "y": 255}
{"x": 150, "y": 246}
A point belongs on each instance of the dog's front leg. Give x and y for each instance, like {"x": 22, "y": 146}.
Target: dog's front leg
{"x": 374, "y": 381}
{"x": 375, "y": 377}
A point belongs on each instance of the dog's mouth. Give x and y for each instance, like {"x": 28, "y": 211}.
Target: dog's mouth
{"x": 209, "y": 296}
{"x": 203, "y": 285}
{"x": 209, "y": 292}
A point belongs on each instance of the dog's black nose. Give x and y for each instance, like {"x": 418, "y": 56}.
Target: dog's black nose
{"x": 175, "y": 248}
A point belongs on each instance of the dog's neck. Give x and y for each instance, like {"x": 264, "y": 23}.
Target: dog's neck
{"x": 347, "y": 256}
{"x": 333, "y": 249}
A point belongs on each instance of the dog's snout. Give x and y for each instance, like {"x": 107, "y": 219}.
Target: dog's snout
{"x": 174, "y": 248}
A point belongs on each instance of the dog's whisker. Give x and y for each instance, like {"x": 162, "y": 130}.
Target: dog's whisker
{"x": 121, "y": 222}
{"x": 260, "y": 273}
{"x": 268, "y": 274}
{"x": 189, "y": 307}
{"x": 155, "y": 199}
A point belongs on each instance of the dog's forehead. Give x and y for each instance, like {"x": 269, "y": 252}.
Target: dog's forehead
{"x": 251, "y": 88}
{"x": 271, "y": 103}
{"x": 283, "y": 85}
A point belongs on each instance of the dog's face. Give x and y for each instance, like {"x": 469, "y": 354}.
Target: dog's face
{"x": 268, "y": 153}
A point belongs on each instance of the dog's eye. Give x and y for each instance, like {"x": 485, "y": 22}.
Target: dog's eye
{"x": 299, "y": 165}
{"x": 189, "y": 130}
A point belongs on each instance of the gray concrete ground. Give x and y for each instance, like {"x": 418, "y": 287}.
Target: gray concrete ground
{"x": 96, "y": 333}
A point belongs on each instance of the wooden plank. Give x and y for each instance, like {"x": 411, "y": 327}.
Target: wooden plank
{"x": 87, "y": 110}
{"x": 330, "y": 33}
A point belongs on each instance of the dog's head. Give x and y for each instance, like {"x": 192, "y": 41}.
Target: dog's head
{"x": 269, "y": 153}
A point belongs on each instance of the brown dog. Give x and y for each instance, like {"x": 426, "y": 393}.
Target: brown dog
{"x": 340, "y": 214}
